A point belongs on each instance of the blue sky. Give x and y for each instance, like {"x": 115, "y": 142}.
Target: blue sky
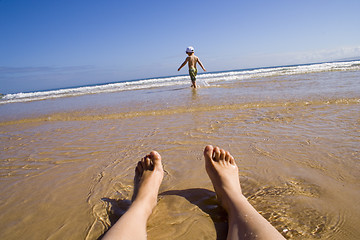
{"x": 52, "y": 44}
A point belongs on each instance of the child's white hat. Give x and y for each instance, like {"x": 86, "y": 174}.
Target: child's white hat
{"x": 190, "y": 49}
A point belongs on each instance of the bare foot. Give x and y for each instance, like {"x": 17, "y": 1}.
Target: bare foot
{"x": 148, "y": 177}
{"x": 224, "y": 175}
{"x": 244, "y": 221}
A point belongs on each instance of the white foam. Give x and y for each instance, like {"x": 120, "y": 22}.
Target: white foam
{"x": 204, "y": 79}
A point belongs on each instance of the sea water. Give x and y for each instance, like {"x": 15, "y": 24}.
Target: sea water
{"x": 205, "y": 79}
{"x": 67, "y": 161}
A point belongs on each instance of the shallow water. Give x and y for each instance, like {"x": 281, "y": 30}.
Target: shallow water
{"x": 67, "y": 165}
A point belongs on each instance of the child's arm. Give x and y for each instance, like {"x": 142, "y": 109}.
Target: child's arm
{"x": 186, "y": 60}
{"x": 198, "y": 60}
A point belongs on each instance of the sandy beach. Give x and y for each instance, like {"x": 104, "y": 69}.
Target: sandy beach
{"x": 67, "y": 164}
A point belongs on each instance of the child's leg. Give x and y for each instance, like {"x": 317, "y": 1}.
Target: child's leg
{"x": 193, "y": 83}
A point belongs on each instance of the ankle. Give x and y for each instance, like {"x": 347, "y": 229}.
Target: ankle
{"x": 235, "y": 203}
{"x": 140, "y": 211}
{"x": 145, "y": 204}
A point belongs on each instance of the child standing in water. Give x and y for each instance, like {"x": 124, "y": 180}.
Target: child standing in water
{"x": 192, "y": 60}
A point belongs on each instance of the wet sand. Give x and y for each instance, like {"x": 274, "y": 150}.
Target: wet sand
{"x": 67, "y": 165}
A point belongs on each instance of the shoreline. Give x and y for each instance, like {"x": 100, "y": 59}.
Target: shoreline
{"x": 180, "y": 80}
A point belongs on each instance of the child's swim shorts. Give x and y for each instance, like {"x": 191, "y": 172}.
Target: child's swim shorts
{"x": 192, "y": 73}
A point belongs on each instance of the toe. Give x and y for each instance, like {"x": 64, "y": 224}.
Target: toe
{"x": 208, "y": 152}
{"x": 139, "y": 168}
{"x": 216, "y": 156}
{"x": 222, "y": 155}
{"x": 142, "y": 163}
{"x": 156, "y": 159}
{"x": 231, "y": 160}
{"x": 147, "y": 162}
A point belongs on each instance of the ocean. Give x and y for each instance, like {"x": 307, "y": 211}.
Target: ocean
{"x": 203, "y": 79}
{"x": 68, "y": 155}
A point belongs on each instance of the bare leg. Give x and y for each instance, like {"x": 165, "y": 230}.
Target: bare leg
{"x": 244, "y": 221}
{"x": 193, "y": 83}
{"x": 148, "y": 177}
